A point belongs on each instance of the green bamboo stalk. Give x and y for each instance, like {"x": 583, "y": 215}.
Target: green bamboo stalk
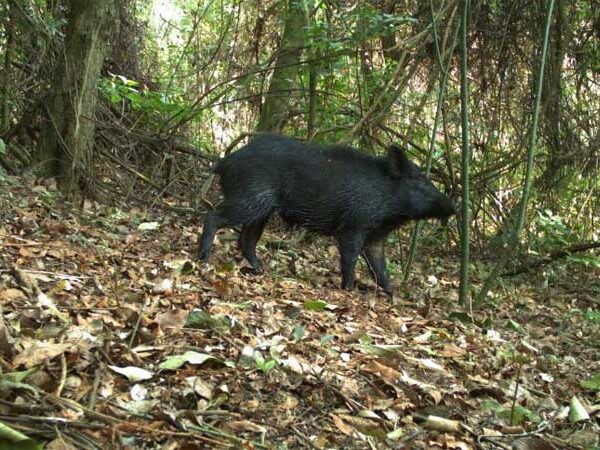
{"x": 514, "y": 242}
{"x": 466, "y": 156}
{"x": 444, "y": 69}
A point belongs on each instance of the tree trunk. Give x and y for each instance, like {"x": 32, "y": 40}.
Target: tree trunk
{"x": 552, "y": 105}
{"x": 388, "y": 40}
{"x": 6, "y": 76}
{"x": 68, "y": 136}
{"x": 275, "y": 110}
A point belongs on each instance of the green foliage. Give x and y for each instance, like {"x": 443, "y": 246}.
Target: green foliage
{"x": 586, "y": 259}
{"x": 120, "y": 90}
{"x": 202, "y": 320}
{"x": 47, "y": 197}
{"x": 264, "y": 365}
{"x": 592, "y": 383}
{"x": 298, "y": 333}
{"x": 15, "y": 440}
{"x": 369, "y": 22}
{"x": 593, "y": 316}
{"x": 315, "y": 305}
{"x": 518, "y": 414}
{"x": 552, "y": 231}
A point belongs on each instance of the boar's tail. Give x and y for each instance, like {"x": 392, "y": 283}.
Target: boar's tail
{"x": 218, "y": 166}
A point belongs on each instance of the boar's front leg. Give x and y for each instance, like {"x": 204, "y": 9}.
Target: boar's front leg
{"x": 350, "y": 246}
{"x": 375, "y": 257}
{"x": 213, "y": 221}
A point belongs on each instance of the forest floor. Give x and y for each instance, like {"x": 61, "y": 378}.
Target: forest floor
{"x": 112, "y": 336}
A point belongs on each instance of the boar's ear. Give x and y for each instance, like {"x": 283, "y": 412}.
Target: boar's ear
{"x": 397, "y": 160}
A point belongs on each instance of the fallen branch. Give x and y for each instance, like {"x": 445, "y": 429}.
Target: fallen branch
{"x": 553, "y": 256}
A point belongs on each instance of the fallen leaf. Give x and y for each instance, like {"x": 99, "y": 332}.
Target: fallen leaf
{"x": 133, "y": 373}
{"x": 37, "y": 352}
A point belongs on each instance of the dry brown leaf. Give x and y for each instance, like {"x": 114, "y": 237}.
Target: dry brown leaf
{"x": 59, "y": 444}
{"x": 350, "y": 387}
{"x": 173, "y": 320}
{"x": 10, "y": 294}
{"x": 452, "y": 351}
{"x": 342, "y": 426}
{"x": 27, "y": 253}
{"x": 245, "y": 425}
{"x": 387, "y": 374}
{"x": 37, "y": 352}
{"x": 287, "y": 401}
{"x": 450, "y": 441}
{"x": 6, "y": 346}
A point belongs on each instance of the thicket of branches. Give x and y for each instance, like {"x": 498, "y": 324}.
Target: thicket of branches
{"x": 182, "y": 83}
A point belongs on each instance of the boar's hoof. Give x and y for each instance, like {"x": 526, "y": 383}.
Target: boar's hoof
{"x": 251, "y": 270}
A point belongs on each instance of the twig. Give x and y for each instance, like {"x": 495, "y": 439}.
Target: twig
{"x": 22, "y": 418}
{"x": 63, "y": 375}
{"x": 302, "y": 437}
{"x": 64, "y": 276}
{"x": 29, "y": 244}
{"x": 137, "y": 324}
{"x": 140, "y": 175}
{"x": 95, "y": 386}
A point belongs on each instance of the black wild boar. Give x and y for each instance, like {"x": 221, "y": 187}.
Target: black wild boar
{"x": 336, "y": 191}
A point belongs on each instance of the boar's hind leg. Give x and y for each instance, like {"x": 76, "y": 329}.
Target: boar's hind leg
{"x": 375, "y": 257}
{"x": 350, "y": 247}
{"x": 248, "y": 239}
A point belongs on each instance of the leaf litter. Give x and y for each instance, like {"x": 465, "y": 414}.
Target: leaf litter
{"x": 113, "y": 336}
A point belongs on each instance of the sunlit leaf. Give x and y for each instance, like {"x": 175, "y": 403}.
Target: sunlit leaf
{"x": 148, "y": 226}
{"x": 133, "y": 373}
{"x": 196, "y": 358}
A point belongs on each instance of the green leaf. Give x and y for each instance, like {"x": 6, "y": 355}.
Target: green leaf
{"x": 515, "y": 327}
{"x": 315, "y": 305}
{"x": 492, "y": 405}
{"x": 298, "y": 332}
{"x": 17, "y": 377}
{"x": 203, "y": 321}
{"x": 15, "y": 440}
{"x": 28, "y": 444}
{"x": 2, "y": 147}
{"x": 515, "y": 356}
{"x": 326, "y": 339}
{"x": 592, "y": 383}
{"x": 365, "y": 339}
{"x": 577, "y": 412}
{"x": 264, "y": 365}
{"x": 242, "y": 305}
{"x": 592, "y": 316}
{"x": 517, "y": 415}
